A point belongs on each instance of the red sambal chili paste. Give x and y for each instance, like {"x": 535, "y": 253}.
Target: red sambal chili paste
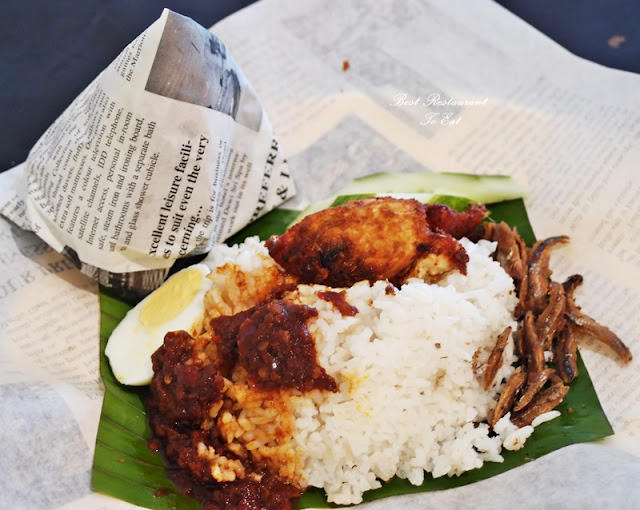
{"x": 271, "y": 342}
{"x": 339, "y": 300}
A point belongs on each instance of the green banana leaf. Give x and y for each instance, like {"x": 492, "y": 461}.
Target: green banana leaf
{"x": 124, "y": 467}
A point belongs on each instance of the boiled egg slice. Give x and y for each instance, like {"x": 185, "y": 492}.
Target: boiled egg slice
{"x": 178, "y": 304}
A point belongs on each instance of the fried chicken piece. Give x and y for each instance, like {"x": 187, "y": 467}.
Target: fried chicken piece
{"x": 369, "y": 239}
{"x": 458, "y": 224}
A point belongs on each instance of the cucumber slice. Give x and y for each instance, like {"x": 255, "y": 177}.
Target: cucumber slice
{"x": 456, "y": 190}
{"x": 485, "y": 189}
{"x": 456, "y": 203}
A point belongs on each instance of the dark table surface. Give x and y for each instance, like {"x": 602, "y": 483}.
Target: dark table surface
{"x": 51, "y": 50}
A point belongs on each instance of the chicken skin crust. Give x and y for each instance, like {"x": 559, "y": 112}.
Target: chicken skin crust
{"x": 369, "y": 239}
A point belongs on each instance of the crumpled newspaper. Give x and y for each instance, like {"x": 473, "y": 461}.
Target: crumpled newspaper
{"x": 165, "y": 153}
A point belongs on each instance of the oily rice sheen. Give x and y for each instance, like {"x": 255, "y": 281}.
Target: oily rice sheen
{"x": 408, "y": 370}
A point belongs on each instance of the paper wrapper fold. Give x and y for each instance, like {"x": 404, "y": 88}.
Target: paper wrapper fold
{"x": 165, "y": 153}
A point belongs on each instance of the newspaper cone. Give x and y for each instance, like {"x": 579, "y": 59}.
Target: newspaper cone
{"x": 165, "y": 153}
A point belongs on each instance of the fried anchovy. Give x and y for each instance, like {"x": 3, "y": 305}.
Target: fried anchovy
{"x": 509, "y": 251}
{"x": 586, "y": 325}
{"x": 509, "y": 393}
{"x": 521, "y": 307}
{"x": 539, "y": 272}
{"x": 535, "y": 382}
{"x": 518, "y": 342}
{"x": 533, "y": 350}
{"x": 495, "y": 358}
{"x": 512, "y": 254}
{"x": 543, "y": 403}
{"x": 565, "y": 354}
{"x": 551, "y": 319}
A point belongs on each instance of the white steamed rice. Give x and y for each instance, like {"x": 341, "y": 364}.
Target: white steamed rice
{"x": 408, "y": 400}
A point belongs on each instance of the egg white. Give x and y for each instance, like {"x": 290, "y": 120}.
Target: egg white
{"x": 132, "y": 343}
